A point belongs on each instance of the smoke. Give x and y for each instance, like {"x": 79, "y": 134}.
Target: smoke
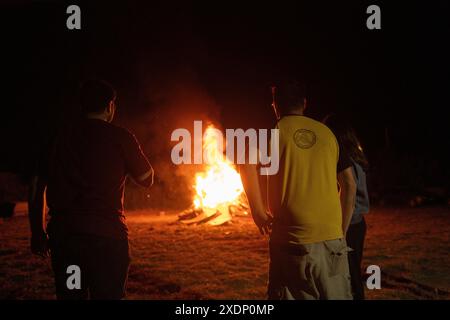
{"x": 166, "y": 102}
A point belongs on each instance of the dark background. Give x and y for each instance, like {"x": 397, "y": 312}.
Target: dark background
{"x": 173, "y": 62}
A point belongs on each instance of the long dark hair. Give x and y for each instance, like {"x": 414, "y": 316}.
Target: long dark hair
{"x": 348, "y": 139}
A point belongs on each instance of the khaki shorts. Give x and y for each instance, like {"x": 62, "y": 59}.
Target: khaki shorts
{"x": 310, "y": 271}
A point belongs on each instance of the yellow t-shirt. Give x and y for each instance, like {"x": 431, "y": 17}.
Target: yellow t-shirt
{"x": 303, "y": 194}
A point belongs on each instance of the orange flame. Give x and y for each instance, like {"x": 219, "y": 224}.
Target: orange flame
{"x": 220, "y": 184}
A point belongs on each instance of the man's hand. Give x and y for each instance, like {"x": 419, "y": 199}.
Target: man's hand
{"x": 263, "y": 221}
{"x": 39, "y": 244}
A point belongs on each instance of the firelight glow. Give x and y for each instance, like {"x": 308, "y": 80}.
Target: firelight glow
{"x": 220, "y": 184}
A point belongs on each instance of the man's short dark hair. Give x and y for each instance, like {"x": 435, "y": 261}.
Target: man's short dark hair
{"x": 96, "y": 95}
{"x": 290, "y": 94}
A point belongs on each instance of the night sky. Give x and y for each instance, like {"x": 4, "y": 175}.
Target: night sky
{"x": 392, "y": 83}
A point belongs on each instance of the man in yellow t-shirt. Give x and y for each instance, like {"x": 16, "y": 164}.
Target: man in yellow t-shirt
{"x": 308, "y": 216}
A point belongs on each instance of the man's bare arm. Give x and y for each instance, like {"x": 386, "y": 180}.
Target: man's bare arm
{"x": 249, "y": 175}
{"x": 36, "y": 214}
{"x": 146, "y": 180}
{"x": 348, "y": 196}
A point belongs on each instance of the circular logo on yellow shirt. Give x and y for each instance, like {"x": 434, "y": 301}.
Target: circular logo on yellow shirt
{"x": 304, "y": 138}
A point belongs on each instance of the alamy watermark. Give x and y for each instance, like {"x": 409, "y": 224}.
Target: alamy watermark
{"x": 73, "y": 21}
{"x": 252, "y": 146}
{"x": 374, "y": 279}
{"x": 74, "y": 279}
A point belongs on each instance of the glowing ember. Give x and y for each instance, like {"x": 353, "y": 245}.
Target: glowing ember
{"x": 220, "y": 185}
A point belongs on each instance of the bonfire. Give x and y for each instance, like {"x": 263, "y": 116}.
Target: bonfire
{"x": 219, "y": 194}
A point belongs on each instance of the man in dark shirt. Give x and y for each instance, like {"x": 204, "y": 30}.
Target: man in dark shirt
{"x": 84, "y": 176}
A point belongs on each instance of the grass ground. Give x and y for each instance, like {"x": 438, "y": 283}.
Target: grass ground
{"x": 173, "y": 261}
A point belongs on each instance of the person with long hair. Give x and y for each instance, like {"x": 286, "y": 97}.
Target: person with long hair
{"x": 356, "y": 232}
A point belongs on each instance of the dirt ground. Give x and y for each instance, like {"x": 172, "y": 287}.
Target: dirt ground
{"x": 174, "y": 261}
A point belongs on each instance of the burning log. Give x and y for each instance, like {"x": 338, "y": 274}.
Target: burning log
{"x": 200, "y": 218}
{"x": 240, "y": 210}
{"x": 219, "y": 190}
{"x": 189, "y": 214}
{"x": 215, "y": 216}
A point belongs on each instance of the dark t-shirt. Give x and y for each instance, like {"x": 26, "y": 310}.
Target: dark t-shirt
{"x": 344, "y": 160}
{"x": 85, "y": 172}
